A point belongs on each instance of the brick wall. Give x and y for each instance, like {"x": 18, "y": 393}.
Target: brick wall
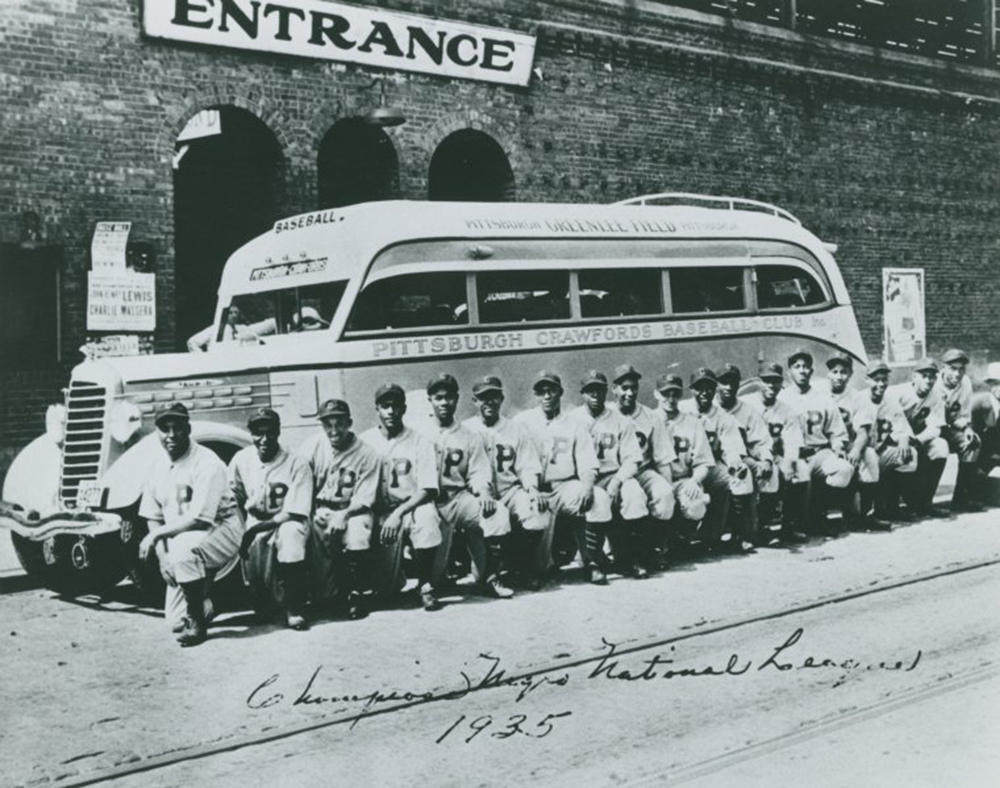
{"x": 894, "y": 158}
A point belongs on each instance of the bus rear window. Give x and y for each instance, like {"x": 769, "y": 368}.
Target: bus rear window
{"x": 707, "y": 289}
{"x": 522, "y": 296}
{"x": 787, "y": 287}
{"x": 411, "y": 301}
{"x": 620, "y": 292}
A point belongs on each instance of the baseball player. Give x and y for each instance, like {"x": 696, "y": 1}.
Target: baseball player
{"x": 345, "y": 479}
{"x": 654, "y": 474}
{"x": 758, "y": 456}
{"x": 618, "y": 458}
{"x": 986, "y": 420}
{"x": 273, "y": 490}
{"x": 192, "y": 520}
{"x": 693, "y": 458}
{"x": 465, "y": 500}
{"x": 858, "y": 412}
{"x": 515, "y": 466}
{"x": 955, "y": 389}
{"x": 729, "y": 475}
{"x": 569, "y": 470}
{"x": 892, "y": 440}
{"x": 823, "y": 433}
{"x": 777, "y": 489}
{"x": 923, "y": 405}
{"x": 405, "y": 503}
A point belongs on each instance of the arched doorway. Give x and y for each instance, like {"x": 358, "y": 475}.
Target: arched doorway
{"x": 470, "y": 166}
{"x": 357, "y": 163}
{"x": 226, "y": 183}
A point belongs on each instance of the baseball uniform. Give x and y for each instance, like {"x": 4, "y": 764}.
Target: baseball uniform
{"x": 891, "y": 428}
{"x": 618, "y": 457}
{"x": 858, "y": 413}
{"x": 926, "y": 416}
{"x": 957, "y": 430}
{"x": 657, "y": 448}
{"x": 786, "y": 439}
{"x": 691, "y": 450}
{"x": 822, "y": 429}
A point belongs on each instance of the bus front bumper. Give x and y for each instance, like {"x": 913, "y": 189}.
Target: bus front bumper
{"x": 33, "y": 526}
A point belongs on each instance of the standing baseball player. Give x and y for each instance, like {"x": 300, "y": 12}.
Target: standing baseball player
{"x": 569, "y": 471}
{"x": 345, "y": 479}
{"x": 823, "y": 435}
{"x": 778, "y": 491}
{"x": 858, "y": 412}
{"x": 516, "y": 469}
{"x": 892, "y": 440}
{"x": 192, "y": 520}
{"x": 273, "y": 490}
{"x": 758, "y": 457}
{"x": 465, "y": 501}
{"x": 693, "y": 459}
{"x": 405, "y": 503}
{"x": 955, "y": 389}
{"x": 654, "y": 475}
{"x": 920, "y": 400}
{"x": 729, "y": 474}
{"x": 618, "y": 457}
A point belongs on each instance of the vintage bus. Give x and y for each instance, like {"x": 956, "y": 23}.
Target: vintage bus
{"x": 333, "y": 303}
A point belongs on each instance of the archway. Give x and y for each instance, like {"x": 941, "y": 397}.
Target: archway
{"x": 470, "y": 166}
{"x": 357, "y": 163}
{"x": 226, "y": 183}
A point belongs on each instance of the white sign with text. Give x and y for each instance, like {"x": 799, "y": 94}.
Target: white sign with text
{"x": 121, "y": 301}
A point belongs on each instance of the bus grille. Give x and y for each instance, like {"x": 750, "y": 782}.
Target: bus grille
{"x": 86, "y": 404}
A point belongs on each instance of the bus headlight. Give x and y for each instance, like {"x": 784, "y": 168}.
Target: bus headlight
{"x": 126, "y": 419}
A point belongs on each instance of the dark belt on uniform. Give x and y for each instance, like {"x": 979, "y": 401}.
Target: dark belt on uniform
{"x": 334, "y": 505}
{"x": 545, "y": 487}
{"x": 809, "y": 451}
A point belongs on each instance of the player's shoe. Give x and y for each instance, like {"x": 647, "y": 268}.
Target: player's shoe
{"x": 192, "y": 634}
{"x": 597, "y": 576}
{"x": 640, "y": 572}
{"x": 209, "y": 615}
{"x": 356, "y": 606}
{"x": 494, "y": 587}
{"x": 428, "y": 600}
{"x": 296, "y": 621}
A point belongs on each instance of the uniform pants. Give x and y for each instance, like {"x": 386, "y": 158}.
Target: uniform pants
{"x": 421, "y": 528}
{"x": 463, "y": 512}
{"x": 326, "y": 553}
{"x": 659, "y": 494}
{"x": 566, "y": 498}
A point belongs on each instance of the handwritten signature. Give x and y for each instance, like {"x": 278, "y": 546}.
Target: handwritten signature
{"x": 616, "y": 664}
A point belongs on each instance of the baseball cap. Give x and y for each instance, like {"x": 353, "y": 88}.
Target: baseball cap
{"x": 310, "y": 317}
{"x": 840, "y": 358}
{"x": 623, "y": 371}
{"x": 264, "y": 417}
{"x": 993, "y": 372}
{"x": 667, "y": 381}
{"x": 488, "y": 383}
{"x": 702, "y": 374}
{"x": 953, "y": 355}
{"x": 442, "y": 381}
{"x": 800, "y": 352}
{"x": 771, "y": 370}
{"x": 593, "y": 378}
{"x": 546, "y": 377}
{"x": 176, "y": 412}
{"x": 333, "y": 407}
{"x": 877, "y": 366}
{"x": 926, "y": 365}
{"x": 393, "y": 390}
{"x": 729, "y": 371}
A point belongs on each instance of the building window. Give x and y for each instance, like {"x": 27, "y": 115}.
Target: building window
{"x": 621, "y": 292}
{"x": 29, "y": 306}
{"x": 707, "y": 289}
{"x": 523, "y": 296}
{"x": 470, "y": 166}
{"x": 411, "y": 301}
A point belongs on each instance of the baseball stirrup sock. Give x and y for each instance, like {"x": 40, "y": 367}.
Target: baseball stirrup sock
{"x": 194, "y": 598}
{"x": 293, "y": 580}
{"x": 593, "y": 551}
{"x": 494, "y": 556}
{"x": 425, "y": 564}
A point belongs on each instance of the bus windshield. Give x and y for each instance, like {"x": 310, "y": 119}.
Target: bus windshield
{"x": 291, "y": 310}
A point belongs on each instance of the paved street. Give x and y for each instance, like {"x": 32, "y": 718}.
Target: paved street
{"x": 870, "y": 659}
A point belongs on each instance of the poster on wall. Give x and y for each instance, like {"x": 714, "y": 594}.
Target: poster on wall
{"x": 904, "y": 315}
{"x": 121, "y": 301}
{"x": 108, "y": 247}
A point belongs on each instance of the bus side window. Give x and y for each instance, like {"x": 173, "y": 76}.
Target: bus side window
{"x": 707, "y": 289}
{"x": 519, "y": 296}
{"x": 411, "y": 301}
{"x": 787, "y": 287}
{"x": 620, "y": 292}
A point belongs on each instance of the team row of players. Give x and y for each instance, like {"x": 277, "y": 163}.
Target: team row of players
{"x": 341, "y": 507}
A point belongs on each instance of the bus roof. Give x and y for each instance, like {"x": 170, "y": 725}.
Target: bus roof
{"x": 339, "y": 243}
